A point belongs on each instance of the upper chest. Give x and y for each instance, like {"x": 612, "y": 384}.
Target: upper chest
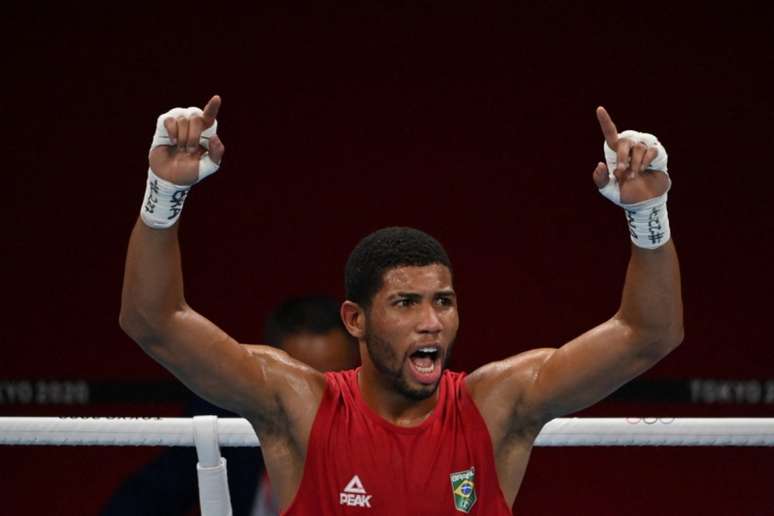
{"x": 358, "y": 460}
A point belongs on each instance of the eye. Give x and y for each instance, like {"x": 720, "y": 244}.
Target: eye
{"x": 404, "y": 302}
{"x": 445, "y": 300}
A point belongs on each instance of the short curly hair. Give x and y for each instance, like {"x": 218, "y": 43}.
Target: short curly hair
{"x": 387, "y": 249}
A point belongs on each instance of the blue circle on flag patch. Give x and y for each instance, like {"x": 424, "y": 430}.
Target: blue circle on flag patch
{"x": 466, "y": 489}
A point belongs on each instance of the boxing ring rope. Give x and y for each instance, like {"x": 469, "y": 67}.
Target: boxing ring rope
{"x": 208, "y": 433}
{"x": 238, "y": 432}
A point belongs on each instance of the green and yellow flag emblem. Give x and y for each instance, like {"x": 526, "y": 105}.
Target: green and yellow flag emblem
{"x": 464, "y": 489}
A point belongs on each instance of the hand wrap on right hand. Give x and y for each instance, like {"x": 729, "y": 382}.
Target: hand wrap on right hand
{"x": 164, "y": 200}
{"x": 161, "y": 137}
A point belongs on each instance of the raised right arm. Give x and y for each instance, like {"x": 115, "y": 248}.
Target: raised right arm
{"x": 155, "y": 314}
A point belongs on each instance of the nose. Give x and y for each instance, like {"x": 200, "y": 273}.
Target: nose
{"x": 429, "y": 321}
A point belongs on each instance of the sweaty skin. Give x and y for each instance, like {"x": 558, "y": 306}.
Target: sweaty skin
{"x": 332, "y": 351}
{"x": 415, "y": 306}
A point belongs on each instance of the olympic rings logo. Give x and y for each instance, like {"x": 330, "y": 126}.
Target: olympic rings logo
{"x": 650, "y": 420}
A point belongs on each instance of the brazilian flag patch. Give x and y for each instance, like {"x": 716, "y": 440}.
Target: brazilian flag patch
{"x": 464, "y": 489}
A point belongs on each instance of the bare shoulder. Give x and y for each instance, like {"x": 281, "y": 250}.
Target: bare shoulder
{"x": 499, "y": 390}
{"x": 284, "y": 430}
{"x": 297, "y": 391}
{"x": 509, "y": 376}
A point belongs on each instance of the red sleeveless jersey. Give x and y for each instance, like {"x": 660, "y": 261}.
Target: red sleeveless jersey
{"x": 358, "y": 463}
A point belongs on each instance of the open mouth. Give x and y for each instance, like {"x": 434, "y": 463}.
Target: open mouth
{"x": 425, "y": 363}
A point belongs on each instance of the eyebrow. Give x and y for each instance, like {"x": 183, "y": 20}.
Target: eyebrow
{"x": 414, "y": 295}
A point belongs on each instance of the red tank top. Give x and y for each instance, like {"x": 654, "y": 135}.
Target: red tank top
{"x": 358, "y": 463}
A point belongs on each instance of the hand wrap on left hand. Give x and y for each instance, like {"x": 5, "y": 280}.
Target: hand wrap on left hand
{"x": 648, "y": 220}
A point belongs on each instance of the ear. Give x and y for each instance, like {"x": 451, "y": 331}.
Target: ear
{"x": 353, "y": 318}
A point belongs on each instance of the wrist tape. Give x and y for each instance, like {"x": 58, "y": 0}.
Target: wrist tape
{"x": 164, "y": 200}
{"x": 648, "y": 220}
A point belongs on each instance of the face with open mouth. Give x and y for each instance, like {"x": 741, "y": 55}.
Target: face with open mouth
{"x": 411, "y": 326}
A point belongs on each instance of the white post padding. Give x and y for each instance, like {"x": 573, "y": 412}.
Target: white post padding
{"x": 214, "y": 497}
{"x": 205, "y": 431}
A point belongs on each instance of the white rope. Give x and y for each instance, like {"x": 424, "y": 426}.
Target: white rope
{"x": 238, "y": 432}
{"x": 657, "y": 432}
{"x": 119, "y": 431}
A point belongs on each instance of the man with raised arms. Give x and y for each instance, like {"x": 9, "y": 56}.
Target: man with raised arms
{"x": 401, "y": 434}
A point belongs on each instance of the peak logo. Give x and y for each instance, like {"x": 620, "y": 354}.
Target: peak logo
{"x": 355, "y": 495}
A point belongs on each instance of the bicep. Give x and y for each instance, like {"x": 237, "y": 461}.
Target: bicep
{"x": 587, "y": 369}
{"x": 216, "y": 367}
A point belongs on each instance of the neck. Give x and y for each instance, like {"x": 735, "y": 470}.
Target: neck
{"x": 381, "y": 396}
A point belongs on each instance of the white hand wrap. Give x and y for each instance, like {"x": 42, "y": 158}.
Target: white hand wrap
{"x": 164, "y": 200}
{"x": 648, "y": 220}
{"x": 161, "y": 137}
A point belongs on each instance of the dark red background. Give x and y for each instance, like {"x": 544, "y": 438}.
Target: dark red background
{"x": 475, "y": 124}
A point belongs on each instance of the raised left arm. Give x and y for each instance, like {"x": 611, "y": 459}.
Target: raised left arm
{"x": 545, "y": 383}
{"x": 647, "y": 326}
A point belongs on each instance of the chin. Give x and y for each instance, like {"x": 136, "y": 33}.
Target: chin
{"x": 417, "y": 392}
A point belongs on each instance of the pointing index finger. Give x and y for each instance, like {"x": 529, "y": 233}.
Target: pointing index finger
{"x": 210, "y": 111}
{"x": 608, "y": 127}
